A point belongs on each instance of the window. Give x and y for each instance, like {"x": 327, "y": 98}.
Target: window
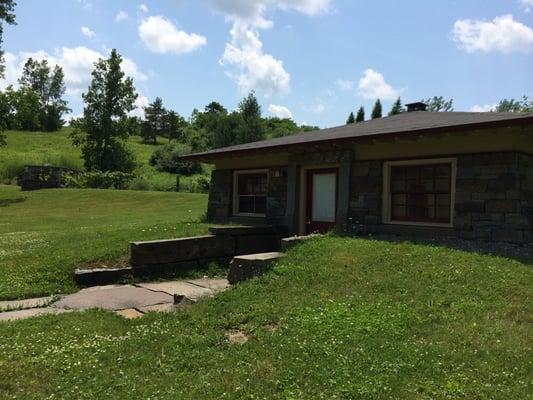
{"x": 420, "y": 192}
{"x": 250, "y": 193}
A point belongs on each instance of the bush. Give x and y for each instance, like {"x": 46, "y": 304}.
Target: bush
{"x": 98, "y": 180}
{"x": 140, "y": 184}
{"x": 198, "y": 184}
{"x": 10, "y": 169}
{"x": 166, "y": 159}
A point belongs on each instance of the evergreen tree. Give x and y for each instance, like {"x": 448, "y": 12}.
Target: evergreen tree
{"x": 360, "y": 115}
{"x": 173, "y": 124}
{"x": 397, "y": 108}
{"x": 102, "y": 131}
{"x": 252, "y": 127}
{"x": 154, "y": 123}
{"x": 377, "y": 110}
{"x": 351, "y": 119}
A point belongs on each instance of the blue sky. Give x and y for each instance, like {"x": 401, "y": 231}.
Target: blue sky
{"x": 315, "y": 60}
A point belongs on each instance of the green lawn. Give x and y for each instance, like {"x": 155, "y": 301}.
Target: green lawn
{"x": 55, "y": 148}
{"x": 338, "y": 318}
{"x": 45, "y": 234}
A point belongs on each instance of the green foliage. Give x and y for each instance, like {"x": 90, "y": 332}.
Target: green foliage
{"x": 278, "y": 127}
{"x": 166, "y": 159}
{"x": 251, "y": 129}
{"x": 25, "y": 104}
{"x": 397, "y": 108}
{"x": 439, "y": 104}
{"x": 139, "y": 183}
{"x": 7, "y": 15}
{"x": 512, "y": 105}
{"x": 49, "y": 86}
{"x": 377, "y": 111}
{"x": 198, "y": 184}
{"x": 360, "y": 115}
{"x": 351, "y": 119}
{"x": 102, "y": 131}
{"x": 337, "y": 318}
{"x": 98, "y": 180}
{"x": 153, "y": 124}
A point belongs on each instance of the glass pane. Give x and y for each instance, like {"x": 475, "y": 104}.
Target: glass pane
{"x": 442, "y": 185}
{"x": 443, "y": 199}
{"x": 398, "y": 186}
{"x": 427, "y": 172}
{"x": 399, "y": 211}
{"x": 246, "y": 204}
{"x": 253, "y": 183}
{"x": 443, "y": 213}
{"x": 412, "y": 173}
{"x": 399, "y": 199}
{"x": 260, "y": 204}
{"x": 324, "y": 192}
{"x": 442, "y": 171}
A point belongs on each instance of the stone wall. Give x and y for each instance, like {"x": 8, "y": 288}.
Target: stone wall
{"x": 220, "y": 194}
{"x": 35, "y": 177}
{"x": 365, "y": 195}
{"x": 491, "y": 201}
{"x": 525, "y": 162}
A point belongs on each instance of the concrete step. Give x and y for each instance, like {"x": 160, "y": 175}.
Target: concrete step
{"x": 251, "y": 265}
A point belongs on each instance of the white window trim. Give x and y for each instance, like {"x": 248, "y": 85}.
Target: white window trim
{"x": 386, "y": 209}
{"x": 236, "y": 175}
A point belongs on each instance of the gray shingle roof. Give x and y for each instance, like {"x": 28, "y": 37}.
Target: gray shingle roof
{"x": 418, "y": 122}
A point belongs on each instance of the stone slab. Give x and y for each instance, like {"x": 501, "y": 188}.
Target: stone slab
{"x": 165, "y": 308}
{"x": 249, "y": 266}
{"x": 247, "y": 230}
{"x": 216, "y": 285}
{"x": 178, "y": 288}
{"x": 289, "y": 242}
{"x": 32, "y": 312}
{"x": 25, "y": 304}
{"x": 271, "y": 256}
{"x": 113, "y": 298}
{"x": 130, "y": 313}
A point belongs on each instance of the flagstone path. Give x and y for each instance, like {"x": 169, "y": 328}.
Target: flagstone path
{"x": 129, "y": 301}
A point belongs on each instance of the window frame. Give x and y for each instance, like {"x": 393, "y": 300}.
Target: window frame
{"x": 387, "y": 198}
{"x": 236, "y": 195}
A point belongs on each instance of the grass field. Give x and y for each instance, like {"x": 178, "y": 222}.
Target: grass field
{"x": 339, "y": 318}
{"x": 55, "y": 148}
{"x": 45, "y": 234}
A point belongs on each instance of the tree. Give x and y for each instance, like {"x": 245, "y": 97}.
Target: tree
{"x": 49, "y": 86}
{"x": 26, "y": 107}
{"x": 438, "y": 104}
{"x": 512, "y": 105}
{"x": 278, "y": 127}
{"x": 154, "y": 115}
{"x": 173, "y": 125}
{"x": 397, "y": 108}
{"x": 252, "y": 128}
{"x": 8, "y": 16}
{"x": 360, "y": 115}
{"x": 351, "y": 119}
{"x": 377, "y": 110}
{"x": 102, "y": 131}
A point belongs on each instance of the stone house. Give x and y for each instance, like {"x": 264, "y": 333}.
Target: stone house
{"x": 458, "y": 174}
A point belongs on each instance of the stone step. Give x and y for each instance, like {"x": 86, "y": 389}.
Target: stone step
{"x": 251, "y": 265}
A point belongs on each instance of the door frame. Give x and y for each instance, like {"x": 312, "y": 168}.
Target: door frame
{"x": 307, "y": 193}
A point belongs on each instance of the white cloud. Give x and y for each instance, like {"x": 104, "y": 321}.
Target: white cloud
{"x": 140, "y": 104}
{"x": 87, "y": 32}
{"x": 247, "y": 62}
{"x": 502, "y": 34}
{"x": 142, "y": 8}
{"x": 255, "y": 70}
{"x": 527, "y": 4}
{"x": 160, "y": 35}
{"x": 483, "y": 108}
{"x": 77, "y": 64}
{"x": 372, "y": 85}
{"x": 121, "y": 16}
{"x": 343, "y": 84}
{"x": 279, "y": 111}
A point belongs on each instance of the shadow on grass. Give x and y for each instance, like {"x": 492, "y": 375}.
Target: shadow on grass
{"x": 10, "y": 202}
{"x": 521, "y": 253}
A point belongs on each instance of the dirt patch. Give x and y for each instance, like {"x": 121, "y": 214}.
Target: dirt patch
{"x": 120, "y": 262}
{"x": 237, "y": 337}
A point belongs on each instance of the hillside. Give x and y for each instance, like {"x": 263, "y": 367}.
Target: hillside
{"x": 56, "y": 149}
{"x": 338, "y": 318}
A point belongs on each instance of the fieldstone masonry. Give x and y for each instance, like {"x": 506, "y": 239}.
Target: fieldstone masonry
{"x": 493, "y": 197}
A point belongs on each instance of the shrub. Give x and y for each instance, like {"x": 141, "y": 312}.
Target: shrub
{"x": 98, "y": 180}
{"x": 198, "y": 184}
{"x": 10, "y": 169}
{"x": 139, "y": 183}
{"x": 166, "y": 159}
